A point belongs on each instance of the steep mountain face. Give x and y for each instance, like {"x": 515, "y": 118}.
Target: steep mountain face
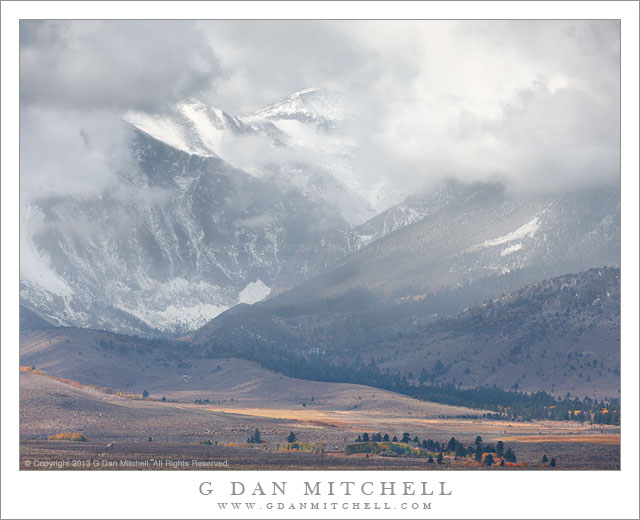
{"x": 317, "y": 124}
{"x": 182, "y": 238}
{"x": 191, "y": 126}
{"x": 213, "y": 210}
{"x": 476, "y": 242}
{"x": 412, "y": 209}
{"x": 475, "y": 233}
{"x": 297, "y": 143}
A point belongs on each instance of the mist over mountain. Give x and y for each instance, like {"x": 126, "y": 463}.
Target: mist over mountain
{"x": 474, "y": 242}
{"x": 531, "y": 103}
{"x": 183, "y": 235}
{"x": 298, "y": 142}
{"x": 461, "y": 235}
{"x": 377, "y": 153}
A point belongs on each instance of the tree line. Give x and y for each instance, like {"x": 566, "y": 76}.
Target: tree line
{"x": 502, "y": 404}
{"x": 485, "y": 454}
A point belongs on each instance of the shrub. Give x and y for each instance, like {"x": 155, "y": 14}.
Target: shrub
{"x": 78, "y": 437}
{"x": 301, "y": 446}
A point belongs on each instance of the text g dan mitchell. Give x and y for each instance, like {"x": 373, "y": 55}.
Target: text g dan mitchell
{"x": 326, "y": 488}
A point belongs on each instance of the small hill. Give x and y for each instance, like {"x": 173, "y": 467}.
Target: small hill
{"x": 560, "y": 335}
{"x": 173, "y": 371}
{"x": 33, "y": 320}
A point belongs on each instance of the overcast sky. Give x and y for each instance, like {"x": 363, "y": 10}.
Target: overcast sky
{"x": 535, "y": 103}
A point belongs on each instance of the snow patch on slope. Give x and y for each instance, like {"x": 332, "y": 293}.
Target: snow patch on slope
{"x": 175, "y": 318}
{"x": 529, "y": 229}
{"x": 254, "y": 292}
{"x": 511, "y": 249}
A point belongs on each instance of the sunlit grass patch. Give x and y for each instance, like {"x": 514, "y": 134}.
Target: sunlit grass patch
{"x": 78, "y": 437}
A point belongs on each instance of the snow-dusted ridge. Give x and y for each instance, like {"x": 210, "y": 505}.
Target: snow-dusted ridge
{"x": 296, "y": 141}
{"x": 310, "y": 105}
{"x": 191, "y": 126}
{"x": 192, "y": 237}
{"x": 198, "y": 233}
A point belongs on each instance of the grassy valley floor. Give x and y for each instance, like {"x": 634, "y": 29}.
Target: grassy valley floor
{"x": 127, "y": 433}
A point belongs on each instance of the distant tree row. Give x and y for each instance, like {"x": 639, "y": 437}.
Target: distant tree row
{"x": 504, "y": 404}
{"x": 256, "y": 438}
{"x": 455, "y": 447}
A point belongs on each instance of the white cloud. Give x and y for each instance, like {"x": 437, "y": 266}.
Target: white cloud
{"x": 535, "y": 103}
{"x": 118, "y": 64}
{"x": 70, "y": 152}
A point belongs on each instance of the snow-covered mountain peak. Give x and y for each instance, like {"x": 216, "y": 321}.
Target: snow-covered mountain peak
{"x": 308, "y": 90}
{"x": 191, "y": 126}
{"x": 321, "y": 106}
{"x": 297, "y": 141}
{"x": 195, "y": 102}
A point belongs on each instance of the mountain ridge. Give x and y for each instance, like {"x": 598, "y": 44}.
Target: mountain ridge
{"x": 525, "y": 339}
{"x": 188, "y": 235}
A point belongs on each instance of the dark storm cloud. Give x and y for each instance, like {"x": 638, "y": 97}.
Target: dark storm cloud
{"x": 112, "y": 64}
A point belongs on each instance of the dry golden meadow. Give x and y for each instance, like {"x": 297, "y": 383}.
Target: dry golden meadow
{"x": 128, "y": 428}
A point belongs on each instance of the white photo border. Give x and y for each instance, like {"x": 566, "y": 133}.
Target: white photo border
{"x": 575, "y": 494}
